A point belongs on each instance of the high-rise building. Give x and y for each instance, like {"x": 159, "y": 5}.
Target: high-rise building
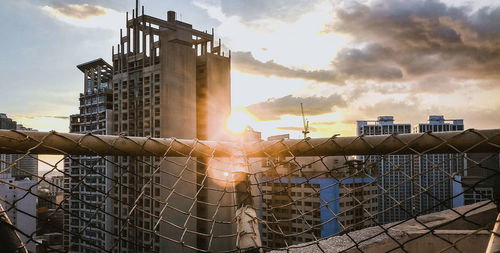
{"x": 88, "y": 177}
{"x": 438, "y": 174}
{"x": 395, "y": 172}
{"x": 169, "y": 80}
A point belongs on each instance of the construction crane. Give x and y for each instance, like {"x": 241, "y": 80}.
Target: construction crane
{"x": 306, "y": 122}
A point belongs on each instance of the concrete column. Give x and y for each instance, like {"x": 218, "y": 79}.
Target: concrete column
{"x": 85, "y": 81}
{"x": 92, "y": 78}
{"x": 98, "y": 84}
{"x": 128, "y": 37}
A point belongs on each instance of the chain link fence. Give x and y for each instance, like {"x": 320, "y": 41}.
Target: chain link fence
{"x": 430, "y": 192}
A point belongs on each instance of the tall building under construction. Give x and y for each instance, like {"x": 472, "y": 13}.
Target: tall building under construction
{"x": 169, "y": 80}
{"x": 166, "y": 80}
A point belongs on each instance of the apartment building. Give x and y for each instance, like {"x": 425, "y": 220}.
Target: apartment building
{"x": 308, "y": 198}
{"x": 395, "y": 172}
{"x": 480, "y": 178}
{"x": 439, "y": 175}
{"x": 88, "y": 178}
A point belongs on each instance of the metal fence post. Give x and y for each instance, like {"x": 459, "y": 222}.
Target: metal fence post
{"x": 494, "y": 243}
{"x": 248, "y": 234}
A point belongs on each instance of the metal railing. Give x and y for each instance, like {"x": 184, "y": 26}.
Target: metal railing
{"x": 139, "y": 194}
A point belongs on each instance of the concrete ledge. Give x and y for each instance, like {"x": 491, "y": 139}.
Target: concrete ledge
{"x": 462, "y": 229}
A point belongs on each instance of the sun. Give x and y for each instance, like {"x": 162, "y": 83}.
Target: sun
{"x": 238, "y": 121}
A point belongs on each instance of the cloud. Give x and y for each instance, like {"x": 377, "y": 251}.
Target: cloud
{"x": 413, "y": 111}
{"x": 366, "y": 64}
{"x": 257, "y": 10}
{"x": 83, "y": 11}
{"x": 40, "y": 116}
{"x": 294, "y": 128}
{"x": 86, "y": 15}
{"x": 118, "y": 5}
{"x": 409, "y": 110}
{"x": 52, "y": 116}
{"x": 419, "y": 38}
{"x": 401, "y": 41}
{"x": 273, "y": 108}
{"x": 78, "y": 11}
{"x": 245, "y": 62}
{"x": 324, "y": 123}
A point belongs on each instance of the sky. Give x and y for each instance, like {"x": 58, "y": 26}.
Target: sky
{"x": 344, "y": 60}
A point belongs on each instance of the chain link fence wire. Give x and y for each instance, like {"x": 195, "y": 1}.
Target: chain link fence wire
{"x": 430, "y": 192}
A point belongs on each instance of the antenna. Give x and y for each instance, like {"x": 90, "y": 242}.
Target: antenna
{"x": 306, "y": 122}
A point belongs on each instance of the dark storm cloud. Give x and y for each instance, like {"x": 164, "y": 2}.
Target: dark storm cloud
{"x": 273, "y": 108}
{"x": 399, "y": 40}
{"x": 366, "y": 64}
{"x": 420, "y": 37}
{"x": 245, "y": 62}
{"x": 285, "y": 10}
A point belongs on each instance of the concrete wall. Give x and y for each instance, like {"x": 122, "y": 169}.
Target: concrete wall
{"x": 178, "y": 90}
{"x": 446, "y": 231}
{"x": 214, "y": 91}
{"x": 432, "y": 243}
{"x": 178, "y": 119}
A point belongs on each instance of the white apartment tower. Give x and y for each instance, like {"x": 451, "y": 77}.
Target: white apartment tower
{"x": 395, "y": 172}
{"x": 437, "y": 171}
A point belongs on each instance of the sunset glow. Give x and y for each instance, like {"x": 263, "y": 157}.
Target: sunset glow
{"x": 357, "y": 66}
{"x": 239, "y": 120}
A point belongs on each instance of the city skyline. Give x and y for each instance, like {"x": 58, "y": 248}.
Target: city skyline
{"x": 318, "y": 54}
{"x": 161, "y": 110}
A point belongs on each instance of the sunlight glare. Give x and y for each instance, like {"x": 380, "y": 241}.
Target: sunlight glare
{"x": 238, "y": 121}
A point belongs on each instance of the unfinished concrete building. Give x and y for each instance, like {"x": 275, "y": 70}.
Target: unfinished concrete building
{"x": 169, "y": 80}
